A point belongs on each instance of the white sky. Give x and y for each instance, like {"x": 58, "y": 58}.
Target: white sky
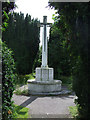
{"x": 37, "y": 9}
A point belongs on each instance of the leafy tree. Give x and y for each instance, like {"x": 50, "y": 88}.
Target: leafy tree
{"x": 8, "y": 82}
{"x": 75, "y": 16}
{"x": 6, "y": 8}
{"x": 59, "y": 51}
{"x": 8, "y": 68}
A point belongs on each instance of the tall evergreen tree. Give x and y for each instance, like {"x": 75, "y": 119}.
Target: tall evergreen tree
{"x": 22, "y": 36}
{"x": 75, "y": 15}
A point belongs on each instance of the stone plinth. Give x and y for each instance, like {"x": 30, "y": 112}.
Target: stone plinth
{"x": 44, "y": 82}
{"x": 37, "y": 87}
{"x": 44, "y": 74}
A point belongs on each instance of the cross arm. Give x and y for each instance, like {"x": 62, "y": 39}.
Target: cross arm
{"x": 41, "y": 24}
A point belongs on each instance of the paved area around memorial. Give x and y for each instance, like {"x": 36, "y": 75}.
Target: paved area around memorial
{"x": 46, "y": 106}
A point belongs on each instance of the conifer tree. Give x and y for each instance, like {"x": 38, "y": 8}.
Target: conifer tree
{"x": 22, "y": 36}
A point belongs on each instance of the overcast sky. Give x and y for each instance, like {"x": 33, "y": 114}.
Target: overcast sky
{"x": 37, "y": 9}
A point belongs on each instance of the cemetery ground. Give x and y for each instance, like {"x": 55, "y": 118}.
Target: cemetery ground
{"x": 61, "y": 106}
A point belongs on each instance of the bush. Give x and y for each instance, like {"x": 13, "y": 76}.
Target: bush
{"x": 80, "y": 86}
{"x": 22, "y": 79}
{"x": 74, "y": 111}
{"x": 66, "y": 79}
{"x": 8, "y": 80}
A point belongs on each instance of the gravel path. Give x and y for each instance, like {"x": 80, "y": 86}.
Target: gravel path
{"x": 46, "y": 107}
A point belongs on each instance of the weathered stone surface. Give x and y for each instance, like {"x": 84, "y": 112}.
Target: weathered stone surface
{"x": 38, "y": 74}
{"x": 44, "y": 82}
{"x": 51, "y": 73}
{"x": 44, "y": 86}
{"x": 44, "y": 74}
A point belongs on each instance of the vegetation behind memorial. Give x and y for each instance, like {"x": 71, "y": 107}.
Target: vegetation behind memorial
{"x": 68, "y": 48}
{"x": 22, "y": 36}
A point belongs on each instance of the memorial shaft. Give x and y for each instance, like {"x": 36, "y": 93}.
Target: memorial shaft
{"x": 44, "y": 83}
{"x": 44, "y": 42}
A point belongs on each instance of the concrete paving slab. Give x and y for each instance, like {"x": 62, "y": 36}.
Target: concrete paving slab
{"x": 46, "y": 107}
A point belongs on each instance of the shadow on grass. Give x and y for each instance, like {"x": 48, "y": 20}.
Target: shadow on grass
{"x": 20, "y": 112}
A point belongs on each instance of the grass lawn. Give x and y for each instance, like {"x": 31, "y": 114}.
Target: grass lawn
{"x": 20, "y": 112}
{"x": 73, "y": 111}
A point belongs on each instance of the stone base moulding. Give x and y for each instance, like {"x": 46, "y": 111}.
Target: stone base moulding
{"x": 37, "y": 87}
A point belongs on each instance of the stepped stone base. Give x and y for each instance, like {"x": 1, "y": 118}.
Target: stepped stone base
{"x": 37, "y": 87}
{"x": 44, "y": 82}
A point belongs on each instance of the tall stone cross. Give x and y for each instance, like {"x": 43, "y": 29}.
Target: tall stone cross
{"x": 44, "y": 41}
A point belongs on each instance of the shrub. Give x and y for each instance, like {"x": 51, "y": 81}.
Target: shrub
{"x": 74, "y": 111}
{"x": 22, "y": 79}
{"x": 8, "y": 80}
{"x": 80, "y": 86}
{"x": 66, "y": 79}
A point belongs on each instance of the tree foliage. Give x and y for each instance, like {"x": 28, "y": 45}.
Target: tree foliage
{"x": 38, "y": 60}
{"x": 8, "y": 67}
{"x": 6, "y": 8}
{"x": 59, "y": 57}
{"x": 8, "y": 81}
{"x": 22, "y": 36}
{"x": 72, "y": 22}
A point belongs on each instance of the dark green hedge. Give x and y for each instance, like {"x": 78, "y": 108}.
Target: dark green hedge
{"x": 8, "y": 81}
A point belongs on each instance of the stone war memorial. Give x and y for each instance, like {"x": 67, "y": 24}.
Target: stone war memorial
{"x": 44, "y": 82}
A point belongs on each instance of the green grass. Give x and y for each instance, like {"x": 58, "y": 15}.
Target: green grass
{"x": 21, "y": 92}
{"x": 74, "y": 111}
{"x": 20, "y": 112}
